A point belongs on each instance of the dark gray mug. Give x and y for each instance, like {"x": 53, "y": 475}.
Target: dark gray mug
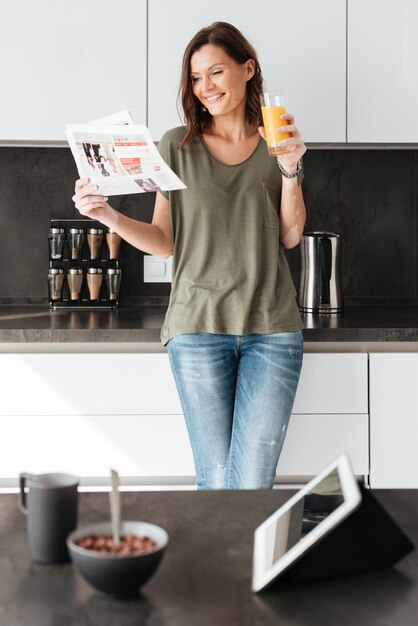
{"x": 51, "y": 508}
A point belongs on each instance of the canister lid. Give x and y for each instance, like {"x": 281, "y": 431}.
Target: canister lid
{"x": 75, "y": 270}
{"x": 53, "y": 271}
{"x": 56, "y": 231}
{"x": 114, "y": 270}
{"x": 95, "y": 231}
{"x": 76, "y": 231}
{"x": 94, "y": 270}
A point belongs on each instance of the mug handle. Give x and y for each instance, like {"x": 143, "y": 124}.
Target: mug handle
{"x": 22, "y": 495}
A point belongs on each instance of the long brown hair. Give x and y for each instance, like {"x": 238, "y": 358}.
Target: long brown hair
{"x": 196, "y": 118}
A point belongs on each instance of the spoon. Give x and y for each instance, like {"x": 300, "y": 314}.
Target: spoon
{"x": 114, "y": 496}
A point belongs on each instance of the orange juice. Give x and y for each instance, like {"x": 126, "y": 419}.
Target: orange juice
{"x": 271, "y": 120}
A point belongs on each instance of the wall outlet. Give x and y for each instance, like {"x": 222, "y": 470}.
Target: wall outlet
{"x": 157, "y": 269}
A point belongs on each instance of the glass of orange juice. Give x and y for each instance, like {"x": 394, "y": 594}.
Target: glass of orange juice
{"x": 272, "y": 107}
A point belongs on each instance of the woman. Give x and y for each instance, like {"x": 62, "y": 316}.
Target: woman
{"x": 232, "y": 328}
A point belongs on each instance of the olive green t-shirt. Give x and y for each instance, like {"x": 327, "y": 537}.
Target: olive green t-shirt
{"x": 230, "y": 274}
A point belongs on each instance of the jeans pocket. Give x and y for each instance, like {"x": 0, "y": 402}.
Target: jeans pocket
{"x": 271, "y": 206}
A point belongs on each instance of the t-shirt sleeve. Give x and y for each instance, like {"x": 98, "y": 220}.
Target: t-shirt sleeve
{"x": 164, "y": 149}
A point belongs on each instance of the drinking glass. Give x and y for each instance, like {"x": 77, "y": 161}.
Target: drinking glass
{"x": 272, "y": 107}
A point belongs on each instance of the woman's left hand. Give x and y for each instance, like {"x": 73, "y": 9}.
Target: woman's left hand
{"x": 294, "y": 144}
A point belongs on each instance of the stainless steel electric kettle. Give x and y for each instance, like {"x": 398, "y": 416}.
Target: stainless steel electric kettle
{"x": 319, "y": 290}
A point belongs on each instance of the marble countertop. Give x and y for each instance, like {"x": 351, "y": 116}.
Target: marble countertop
{"x": 142, "y": 324}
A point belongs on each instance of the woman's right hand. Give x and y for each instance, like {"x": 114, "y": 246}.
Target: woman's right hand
{"x": 94, "y": 206}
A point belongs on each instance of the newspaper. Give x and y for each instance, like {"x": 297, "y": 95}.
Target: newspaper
{"x": 122, "y": 117}
{"x": 119, "y": 156}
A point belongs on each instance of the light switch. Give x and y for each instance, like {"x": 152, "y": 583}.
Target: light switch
{"x": 156, "y": 269}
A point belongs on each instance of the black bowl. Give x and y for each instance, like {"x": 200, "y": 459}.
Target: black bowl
{"x": 116, "y": 575}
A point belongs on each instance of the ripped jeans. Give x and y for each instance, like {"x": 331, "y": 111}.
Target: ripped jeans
{"x": 237, "y": 394}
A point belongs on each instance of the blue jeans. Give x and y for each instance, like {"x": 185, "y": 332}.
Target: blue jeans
{"x": 237, "y": 394}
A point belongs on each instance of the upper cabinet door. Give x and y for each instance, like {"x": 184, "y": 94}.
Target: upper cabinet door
{"x": 70, "y": 62}
{"x": 382, "y": 71}
{"x": 301, "y": 47}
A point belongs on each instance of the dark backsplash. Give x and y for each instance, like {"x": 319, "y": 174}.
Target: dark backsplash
{"x": 368, "y": 196}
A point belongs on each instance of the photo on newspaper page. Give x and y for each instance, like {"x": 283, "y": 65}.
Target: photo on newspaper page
{"x": 120, "y": 159}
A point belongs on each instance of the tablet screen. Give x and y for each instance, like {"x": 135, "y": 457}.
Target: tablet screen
{"x": 305, "y": 515}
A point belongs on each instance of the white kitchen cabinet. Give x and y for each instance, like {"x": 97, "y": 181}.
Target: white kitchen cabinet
{"x": 85, "y": 412}
{"x": 314, "y": 441}
{"x": 147, "y": 448}
{"x": 70, "y": 63}
{"x": 87, "y": 384}
{"x": 301, "y": 47}
{"x": 393, "y": 420}
{"x": 382, "y": 71}
{"x": 332, "y": 383}
{"x": 133, "y": 384}
{"x": 329, "y": 417}
{"x": 155, "y": 449}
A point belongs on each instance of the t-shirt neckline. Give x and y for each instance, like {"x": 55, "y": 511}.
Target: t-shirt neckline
{"x": 229, "y": 164}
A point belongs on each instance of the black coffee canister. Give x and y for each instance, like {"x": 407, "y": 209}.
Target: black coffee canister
{"x": 50, "y": 505}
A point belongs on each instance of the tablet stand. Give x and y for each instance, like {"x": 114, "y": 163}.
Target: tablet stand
{"x": 367, "y": 539}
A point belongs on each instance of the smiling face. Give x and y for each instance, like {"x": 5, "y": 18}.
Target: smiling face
{"x": 218, "y": 81}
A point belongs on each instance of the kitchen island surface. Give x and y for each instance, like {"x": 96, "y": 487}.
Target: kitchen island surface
{"x": 142, "y": 324}
{"x": 205, "y": 576}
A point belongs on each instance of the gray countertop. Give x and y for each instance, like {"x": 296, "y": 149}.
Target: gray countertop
{"x": 129, "y": 324}
{"x": 205, "y": 576}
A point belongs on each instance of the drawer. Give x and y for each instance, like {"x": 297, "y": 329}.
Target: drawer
{"x": 132, "y": 384}
{"x": 87, "y": 384}
{"x": 314, "y": 441}
{"x": 158, "y": 445}
{"x": 135, "y": 445}
{"x": 333, "y": 383}
{"x": 150, "y": 446}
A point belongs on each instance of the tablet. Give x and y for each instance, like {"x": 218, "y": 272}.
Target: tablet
{"x": 301, "y": 522}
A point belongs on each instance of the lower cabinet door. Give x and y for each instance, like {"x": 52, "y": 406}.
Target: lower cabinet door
{"x": 87, "y": 384}
{"x": 155, "y": 449}
{"x": 314, "y": 441}
{"x": 394, "y": 421}
{"x": 142, "y": 448}
{"x": 133, "y": 384}
{"x": 332, "y": 383}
